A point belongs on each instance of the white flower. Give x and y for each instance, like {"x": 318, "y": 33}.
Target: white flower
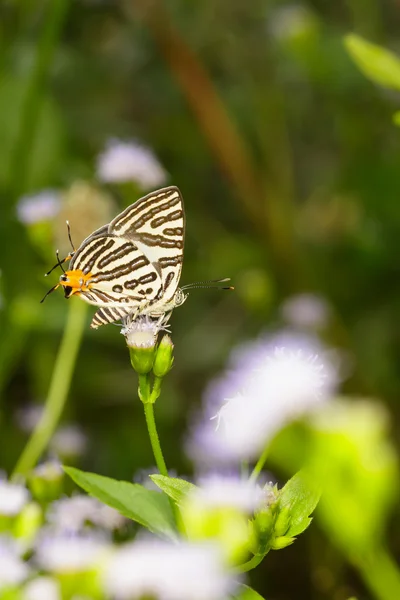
{"x": 42, "y": 588}
{"x": 218, "y": 491}
{"x": 35, "y": 208}
{"x": 29, "y": 416}
{"x": 270, "y": 387}
{"x": 72, "y": 514}
{"x": 69, "y": 441}
{"x": 142, "y": 332}
{"x": 167, "y": 571}
{"x": 292, "y": 21}
{"x": 306, "y": 311}
{"x": 51, "y": 470}
{"x": 12, "y": 498}
{"x": 64, "y": 553}
{"x": 130, "y": 161}
{"x": 12, "y": 570}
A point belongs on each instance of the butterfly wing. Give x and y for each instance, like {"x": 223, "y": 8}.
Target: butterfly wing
{"x": 156, "y": 225}
{"x": 117, "y": 273}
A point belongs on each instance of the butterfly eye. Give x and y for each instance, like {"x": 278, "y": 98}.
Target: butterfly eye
{"x": 63, "y": 278}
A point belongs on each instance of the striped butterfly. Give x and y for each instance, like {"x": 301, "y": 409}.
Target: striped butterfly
{"x": 131, "y": 266}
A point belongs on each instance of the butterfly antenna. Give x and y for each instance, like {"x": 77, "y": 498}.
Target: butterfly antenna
{"x": 58, "y": 264}
{"x": 212, "y": 283}
{"x": 69, "y": 236}
{"x": 50, "y": 291}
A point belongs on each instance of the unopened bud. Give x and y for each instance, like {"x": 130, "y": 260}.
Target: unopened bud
{"x": 282, "y": 542}
{"x": 46, "y": 481}
{"x": 164, "y": 357}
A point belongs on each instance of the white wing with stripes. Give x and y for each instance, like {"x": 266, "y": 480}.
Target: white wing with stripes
{"x": 156, "y": 224}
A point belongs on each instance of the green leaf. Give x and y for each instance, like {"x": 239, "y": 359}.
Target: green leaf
{"x": 396, "y": 118}
{"x": 174, "y": 487}
{"x": 301, "y": 496}
{"x": 147, "y": 507}
{"x": 376, "y": 63}
{"x": 247, "y": 593}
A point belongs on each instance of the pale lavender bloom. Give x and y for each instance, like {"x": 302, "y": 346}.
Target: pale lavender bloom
{"x": 36, "y": 208}
{"x": 12, "y": 570}
{"x": 69, "y": 441}
{"x": 72, "y": 514}
{"x": 29, "y": 416}
{"x": 272, "y": 384}
{"x": 167, "y": 571}
{"x": 42, "y": 588}
{"x": 218, "y": 491}
{"x": 69, "y": 553}
{"x": 130, "y": 161}
{"x": 13, "y": 498}
{"x": 306, "y": 311}
{"x": 51, "y": 470}
{"x": 291, "y": 21}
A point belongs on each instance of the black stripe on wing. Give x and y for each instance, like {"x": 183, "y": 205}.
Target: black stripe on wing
{"x": 107, "y": 315}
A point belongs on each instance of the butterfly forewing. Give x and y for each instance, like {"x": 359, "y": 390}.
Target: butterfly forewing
{"x": 156, "y": 224}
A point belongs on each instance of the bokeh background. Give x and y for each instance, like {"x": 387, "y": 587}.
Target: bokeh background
{"x": 289, "y": 165}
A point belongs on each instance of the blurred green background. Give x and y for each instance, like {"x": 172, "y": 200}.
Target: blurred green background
{"x": 288, "y": 162}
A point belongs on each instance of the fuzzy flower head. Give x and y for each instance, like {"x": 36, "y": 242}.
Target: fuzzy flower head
{"x": 12, "y": 570}
{"x": 130, "y": 161}
{"x": 270, "y": 387}
{"x": 42, "y": 588}
{"x": 13, "y": 498}
{"x": 72, "y": 514}
{"x": 219, "y": 491}
{"x": 69, "y": 441}
{"x": 167, "y": 571}
{"x": 306, "y": 311}
{"x": 68, "y": 553}
{"x": 142, "y": 332}
{"x": 40, "y": 207}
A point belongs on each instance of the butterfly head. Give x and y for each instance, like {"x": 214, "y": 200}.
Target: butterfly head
{"x": 74, "y": 282}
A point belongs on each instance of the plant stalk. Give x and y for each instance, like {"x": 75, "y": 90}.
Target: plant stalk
{"x": 58, "y": 391}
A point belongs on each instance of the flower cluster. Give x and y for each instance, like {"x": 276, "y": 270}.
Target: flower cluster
{"x": 69, "y": 552}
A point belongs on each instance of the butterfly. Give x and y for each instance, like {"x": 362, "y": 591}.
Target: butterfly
{"x": 132, "y": 265}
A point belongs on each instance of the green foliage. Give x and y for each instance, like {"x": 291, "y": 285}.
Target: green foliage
{"x": 377, "y": 63}
{"x": 356, "y": 466}
{"x": 247, "y": 593}
{"x": 175, "y": 488}
{"x": 147, "y": 507}
{"x": 286, "y": 514}
{"x": 297, "y": 500}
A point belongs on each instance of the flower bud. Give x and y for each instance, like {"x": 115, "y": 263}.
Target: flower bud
{"x": 141, "y": 339}
{"x": 142, "y": 359}
{"x": 46, "y": 481}
{"x": 282, "y": 542}
{"x": 164, "y": 357}
{"x": 282, "y": 521}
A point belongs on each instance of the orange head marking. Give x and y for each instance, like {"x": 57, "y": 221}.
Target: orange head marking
{"x": 74, "y": 282}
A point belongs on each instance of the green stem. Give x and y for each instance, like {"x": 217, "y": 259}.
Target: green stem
{"x": 381, "y": 574}
{"x": 259, "y": 466}
{"x": 31, "y": 105}
{"x": 144, "y": 387}
{"x": 156, "y": 391}
{"x": 154, "y": 439}
{"x": 250, "y": 564}
{"x": 58, "y": 391}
